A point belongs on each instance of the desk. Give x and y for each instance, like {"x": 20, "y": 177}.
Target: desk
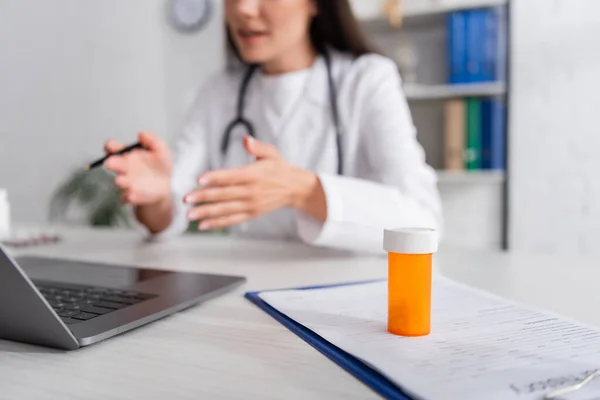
{"x": 228, "y": 348}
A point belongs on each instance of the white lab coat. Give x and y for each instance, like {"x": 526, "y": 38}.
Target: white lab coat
{"x": 386, "y": 181}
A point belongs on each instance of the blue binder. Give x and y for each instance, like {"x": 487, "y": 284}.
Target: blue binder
{"x": 456, "y": 47}
{"x": 379, "y": 383}
{"x": 493, "y": 134}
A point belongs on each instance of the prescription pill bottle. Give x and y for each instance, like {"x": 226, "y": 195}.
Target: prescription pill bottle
{"x": 410, "y": 259}
{"x": 4, "y": 214}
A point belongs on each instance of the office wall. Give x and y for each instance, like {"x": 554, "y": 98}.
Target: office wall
{"x": 555, "y": 190}
{"x": 75, "y": 72}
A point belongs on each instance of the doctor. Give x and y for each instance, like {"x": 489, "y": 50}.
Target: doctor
{"x": 310, "y": 138}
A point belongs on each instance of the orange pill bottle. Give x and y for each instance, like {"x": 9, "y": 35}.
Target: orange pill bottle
{"x": 410, "y": 259}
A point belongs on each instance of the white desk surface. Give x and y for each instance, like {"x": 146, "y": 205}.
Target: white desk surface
{"x": 227, "y": 348}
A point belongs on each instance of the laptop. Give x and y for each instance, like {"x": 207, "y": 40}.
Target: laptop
{"x": 68, "y": 305}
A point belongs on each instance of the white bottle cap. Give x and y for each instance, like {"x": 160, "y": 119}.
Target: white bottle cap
{"x": 3, "y": 195}
{"x": 410, "y": 240}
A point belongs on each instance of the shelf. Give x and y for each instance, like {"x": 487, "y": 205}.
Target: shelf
{"x": 440, "y": 92}
{"x": 420, "y": 8}
{"x": 471, "y": 177}
{"x": 372, "y": 12}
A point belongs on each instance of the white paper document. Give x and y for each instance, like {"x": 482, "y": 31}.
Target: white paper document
{"x": 480, "y": 347}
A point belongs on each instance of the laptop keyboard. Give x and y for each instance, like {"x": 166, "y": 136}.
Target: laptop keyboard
{"x": 75, "y": 304}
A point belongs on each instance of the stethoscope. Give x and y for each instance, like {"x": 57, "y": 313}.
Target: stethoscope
{"x": 240, "y": 120}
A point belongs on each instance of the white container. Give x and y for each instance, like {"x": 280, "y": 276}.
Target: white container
{"x": 4, "y": 214}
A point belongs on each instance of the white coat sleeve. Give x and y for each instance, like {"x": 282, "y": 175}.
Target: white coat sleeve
{"x": 402, "y": 190}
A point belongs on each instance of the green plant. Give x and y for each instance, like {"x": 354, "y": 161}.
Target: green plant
{"x": 92, "y": 198}
{"x": 89, "y": 196}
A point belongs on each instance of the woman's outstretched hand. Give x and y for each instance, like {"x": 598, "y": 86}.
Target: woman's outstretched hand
{"x": 144, "y": 176}
{"x": 231, "y": 196}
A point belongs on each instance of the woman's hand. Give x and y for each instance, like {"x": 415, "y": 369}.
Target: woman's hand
{"x": 237, "y": 195}
{"x": 144, "y": 176}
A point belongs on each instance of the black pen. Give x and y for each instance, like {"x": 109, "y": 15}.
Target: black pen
{"x": 125, "y": 150}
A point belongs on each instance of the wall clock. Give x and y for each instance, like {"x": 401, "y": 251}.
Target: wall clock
{"x": 190, "y": 15}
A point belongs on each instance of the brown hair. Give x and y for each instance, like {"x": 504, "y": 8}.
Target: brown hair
{"x": 334, "y": 26}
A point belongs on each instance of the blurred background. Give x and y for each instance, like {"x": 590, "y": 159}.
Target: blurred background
{"x": 503, "y": 93}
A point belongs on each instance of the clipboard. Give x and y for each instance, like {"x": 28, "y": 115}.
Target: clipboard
{"x": 361, "y": 371}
